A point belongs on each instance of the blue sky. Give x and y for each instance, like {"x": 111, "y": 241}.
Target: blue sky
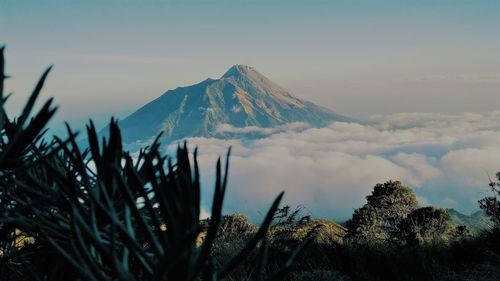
{"x": 356, "y": 57}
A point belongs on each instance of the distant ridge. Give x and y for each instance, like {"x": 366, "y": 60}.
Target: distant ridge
{"x": 475, "y": 222}
{"x": 241, "y": 97}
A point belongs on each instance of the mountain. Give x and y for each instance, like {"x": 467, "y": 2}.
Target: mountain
{"x": 242, "y": 97}
{"x": 475, "y": 222}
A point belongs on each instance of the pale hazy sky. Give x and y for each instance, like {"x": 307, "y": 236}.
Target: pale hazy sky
{"x": 356, "y": 57}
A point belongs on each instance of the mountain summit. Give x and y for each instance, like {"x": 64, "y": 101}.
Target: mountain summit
{"x": 241, "y": 97}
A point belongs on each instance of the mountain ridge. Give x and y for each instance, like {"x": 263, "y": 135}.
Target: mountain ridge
{"x": 241, "y": 97}
{"x": 475, "y": 222}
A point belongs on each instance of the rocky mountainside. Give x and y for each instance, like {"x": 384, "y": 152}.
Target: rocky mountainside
{"x": 242, "y": 97}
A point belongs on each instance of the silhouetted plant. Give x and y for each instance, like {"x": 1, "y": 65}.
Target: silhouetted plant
{"x": 19, "y": 140}
{"x": 292, "y": 227}
{"x": 286, "y": 216}
{"x": 492, "y": 204}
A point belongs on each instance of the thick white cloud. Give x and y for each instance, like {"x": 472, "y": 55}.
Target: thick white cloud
{"x": 471, "y": 166}
{"x": 421, "y": 167}
{"x": 445, "y": 158}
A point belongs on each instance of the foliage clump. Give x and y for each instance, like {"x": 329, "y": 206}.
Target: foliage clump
{"x": 378, "y": 220}
{"x": 392, "y": 214}
{"x": 491, "y": 204}
{"x": 428, "y": 225}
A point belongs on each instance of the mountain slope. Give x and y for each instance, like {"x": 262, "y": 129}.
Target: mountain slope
{"x": 476, "y": 222}
{"x": 241, "y": 97}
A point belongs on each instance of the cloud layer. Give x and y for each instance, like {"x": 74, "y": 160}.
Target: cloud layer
{"x": 446, "y": 159}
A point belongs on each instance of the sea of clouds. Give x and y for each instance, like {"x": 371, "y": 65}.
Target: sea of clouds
{"x": 446, "y": 159}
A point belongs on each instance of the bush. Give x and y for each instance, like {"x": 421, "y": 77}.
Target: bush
{"x": 378, "y": 220}
{"x": 427, "y": 225}
{"x": 492, "y": 204}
